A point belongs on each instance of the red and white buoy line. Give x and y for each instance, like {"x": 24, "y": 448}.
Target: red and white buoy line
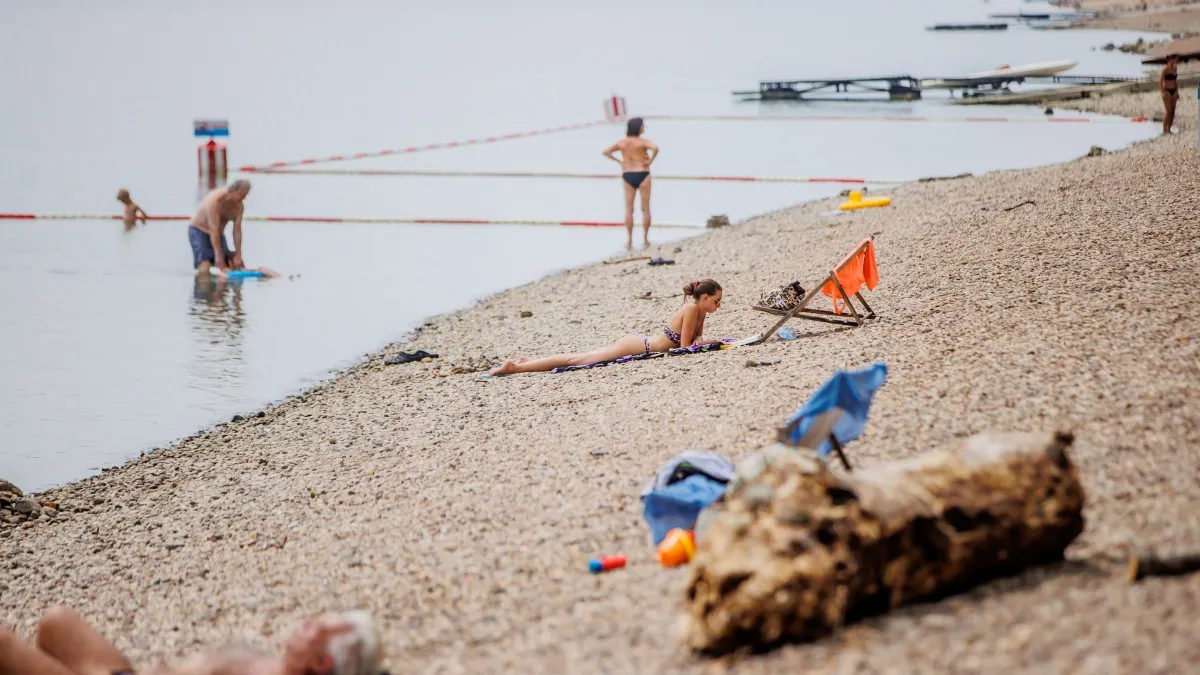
{"x": 424, "y": 148}
{"x": 323, "y": 219}
{"x": 893, "y": 118}
{"x": 562, "y": 174}
{"x": 685, "y": 118}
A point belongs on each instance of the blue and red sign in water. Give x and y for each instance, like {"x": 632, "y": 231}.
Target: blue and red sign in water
{"x": 211, "y": 128}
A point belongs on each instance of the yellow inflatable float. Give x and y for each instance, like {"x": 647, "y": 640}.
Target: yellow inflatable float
{"x": 857, "y": 202}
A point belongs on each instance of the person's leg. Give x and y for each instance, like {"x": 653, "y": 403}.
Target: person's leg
{"x": 626, "y": 346}
{"x": 1169, "y": 102}
{"x": 537, "y": 365}
{"x": 630, "y": 192}
{"x": 19, "y": 658}
{"x": 645, "y": 190}
{"x": 233, "y": 259}
{"x": 202, "y": 251}
{"x": 64, "y": 635}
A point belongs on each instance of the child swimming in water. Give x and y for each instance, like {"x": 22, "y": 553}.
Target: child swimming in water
{"x": 131, "y": 209}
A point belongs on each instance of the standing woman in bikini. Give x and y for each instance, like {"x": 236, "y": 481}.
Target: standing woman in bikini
{"x": 684, "y": 329}
{"x": 637, "y": 154}
{"x": 1168, "y": 82}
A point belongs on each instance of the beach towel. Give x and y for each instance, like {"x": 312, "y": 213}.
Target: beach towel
{"x": 678, "y": 351}
{"x": 855, "y": 273}
{"x": 846, "y": 395}
{"x": 682, "y": 488}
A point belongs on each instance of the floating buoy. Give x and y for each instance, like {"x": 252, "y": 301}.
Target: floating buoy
{"x": 211, "y": 161}
{"x": 857, "y": 202}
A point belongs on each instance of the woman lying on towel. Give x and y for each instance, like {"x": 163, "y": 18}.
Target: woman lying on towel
{"x": 682, "y": 330}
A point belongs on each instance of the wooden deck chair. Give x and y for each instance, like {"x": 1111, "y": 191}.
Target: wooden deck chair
{"x": 851, "y": 315}
{"x": 821, "y": 429}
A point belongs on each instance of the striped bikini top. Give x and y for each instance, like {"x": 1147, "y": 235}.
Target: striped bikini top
{"x": 674, "y": 337}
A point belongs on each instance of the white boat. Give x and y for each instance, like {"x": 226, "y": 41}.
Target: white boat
{"x": 1030, "y": 70}
{"x": 1001, "y": 73}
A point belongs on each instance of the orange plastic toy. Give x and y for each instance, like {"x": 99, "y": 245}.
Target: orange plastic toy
{"x": 677, "y": 548}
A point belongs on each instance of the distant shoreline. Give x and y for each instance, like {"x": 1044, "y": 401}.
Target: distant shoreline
{"x": 1161, "y": 17}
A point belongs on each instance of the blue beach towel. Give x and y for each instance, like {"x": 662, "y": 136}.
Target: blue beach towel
{"x": 847, "y": 391}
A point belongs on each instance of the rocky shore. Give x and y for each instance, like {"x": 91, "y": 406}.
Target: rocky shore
{"x": 1178, "y": 19}
{"x": 462, "y": 511}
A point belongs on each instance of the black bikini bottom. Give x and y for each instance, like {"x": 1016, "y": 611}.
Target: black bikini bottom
{"x": 635, "y": 178}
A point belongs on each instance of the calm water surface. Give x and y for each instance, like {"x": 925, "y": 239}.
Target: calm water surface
{"x": 108, "y": 346}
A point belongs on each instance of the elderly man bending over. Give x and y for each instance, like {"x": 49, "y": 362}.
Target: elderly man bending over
{"x": 206, "y": 233}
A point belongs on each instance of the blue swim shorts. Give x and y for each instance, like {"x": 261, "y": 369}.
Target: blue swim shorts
{"x": 202, "y": 249}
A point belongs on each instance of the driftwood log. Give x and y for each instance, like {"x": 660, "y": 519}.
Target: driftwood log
{"x": 793, "y": 551}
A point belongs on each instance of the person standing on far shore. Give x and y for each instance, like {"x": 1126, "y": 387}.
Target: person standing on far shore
{"x": 1168, "y": 82}
{"x": 637, "y": 154}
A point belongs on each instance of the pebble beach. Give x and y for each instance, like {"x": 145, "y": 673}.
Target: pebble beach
{"x": 462, "y": 511}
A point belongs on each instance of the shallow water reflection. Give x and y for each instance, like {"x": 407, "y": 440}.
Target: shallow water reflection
{"x": 218, "y": 325}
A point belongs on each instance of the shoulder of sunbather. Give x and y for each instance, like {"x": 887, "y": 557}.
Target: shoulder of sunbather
{"x": 689, "y": 310}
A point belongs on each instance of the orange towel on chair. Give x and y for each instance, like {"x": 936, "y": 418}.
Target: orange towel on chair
{"x": 853, "y": 274}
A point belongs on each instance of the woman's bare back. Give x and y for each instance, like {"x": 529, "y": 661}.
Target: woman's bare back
{"x": 676, "y": 321}
{"x": 635, "y": 153}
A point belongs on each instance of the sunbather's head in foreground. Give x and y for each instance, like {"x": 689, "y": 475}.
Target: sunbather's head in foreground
{"x": 330, "y": 644}
{"x": 683, "y": 329}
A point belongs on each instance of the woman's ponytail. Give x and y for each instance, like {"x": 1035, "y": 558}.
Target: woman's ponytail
{"x": 695, "y": 289}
